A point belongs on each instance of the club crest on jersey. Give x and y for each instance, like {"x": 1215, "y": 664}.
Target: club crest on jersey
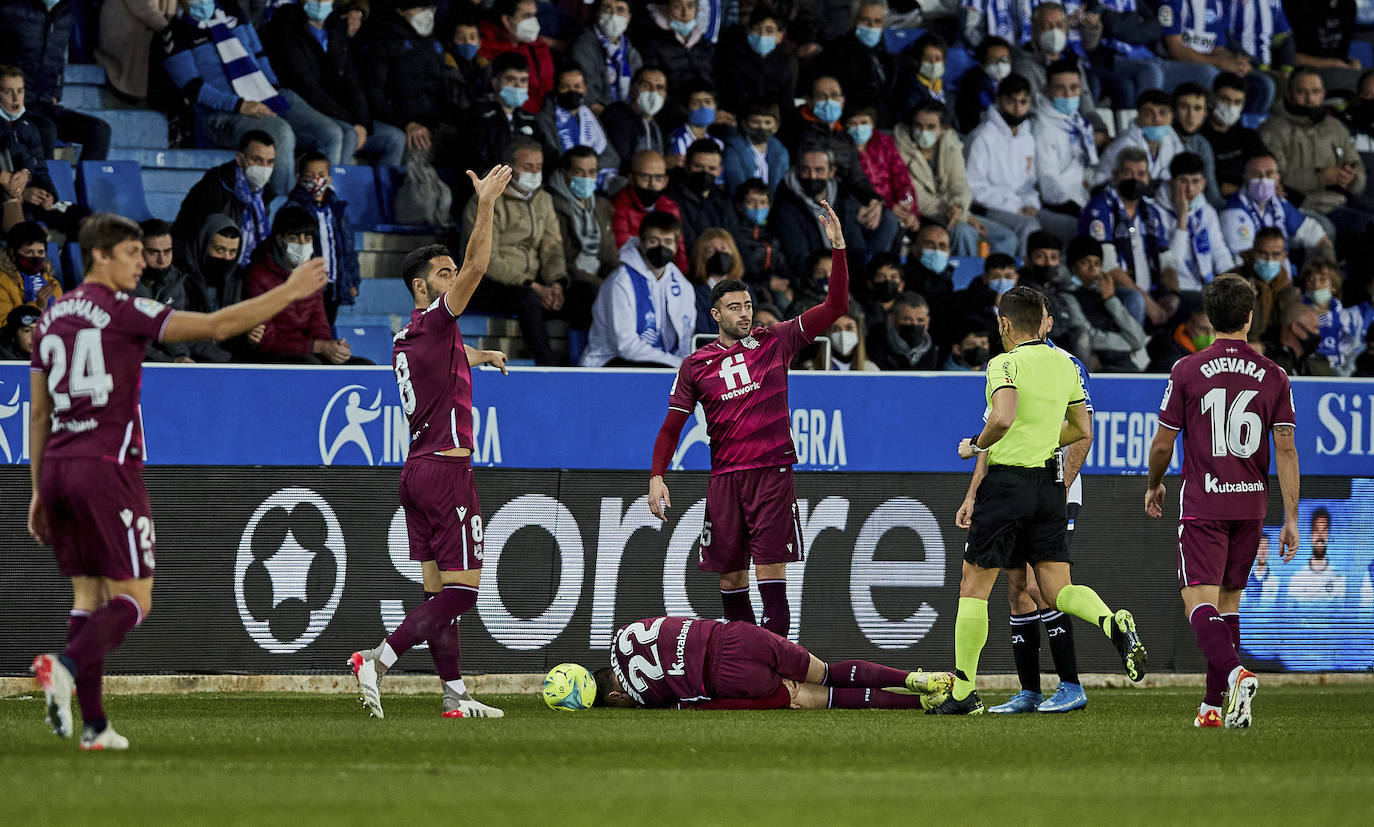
{"x": 749, "y": 342}
{"x": 147, "y": 307}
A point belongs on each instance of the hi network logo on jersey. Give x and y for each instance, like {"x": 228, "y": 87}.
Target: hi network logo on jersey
{"x": 358, "y": 428}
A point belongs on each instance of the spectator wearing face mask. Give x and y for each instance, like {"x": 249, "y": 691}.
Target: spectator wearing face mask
{"x": 883, "y": 285}
{"x": 469, "y": 79}
{"x": 820, "y": 123}
{"x": 750, "y": 68}
{"x": 609, "y": 61}
{"x": 971, "y": 351}
{"x": 1134, "y": 233}
{"x": 333, "y": 241}
{"x": 163, "y": 282}
{"x": 1152, "y": 132}
{"x": 1090, "y": 320}
{"x": 929, "y": 270}
{"x": 501, "y": 119}
{"x": 26, "y": 274}
{"x": 1001, "y": 161}
{"x": 645, "y": 194}
{"x": 1053, "y": 39}
{"x": 754, "y": 152}
{"x": 1044, "y": 268}
{"x": 635, "y": 125}
{"x": 929, "y": 53}
{"x": 566, "y": 121}
{"x": 760, "y": 251}
{"x": 1292, "y": 343}
{"x": 861, "y": 62}
{"x": 904, "y": 342}
{"x": 670, "y": 38}
{"x": 16, "y": 337}
{"x": 1269, "y": 271}
{"x": 701, "y": 203}
{"x": 1342, "y": 329}
{"x": 1065, "y": 154}
{"x": 799, "y": 202}
{"x": 514, "y": 27}
{"x": 1258, "y": 204}
{"x": 232, "y": 189}
{"x": 978, "y": 88}
{"x": 701, "y": 119}
{"x": 584, "y": 219}
{"x": 1231, "y": 143}
{"x": 714, "y": 258}
{"x": 848, "y": 348}
{"x": 300, "y": 333}
{"x": 1184, "y": 339}
{"x": 211, "y": 264}
{"x": 976, "y": 304}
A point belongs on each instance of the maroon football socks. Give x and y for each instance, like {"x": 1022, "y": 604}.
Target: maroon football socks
{"x": 854, "y": 673}
{"x": 736, "y": 606}
{"x": 429, "y": 619}
{"x": 443, "y": 647}
{"x": 777, "y": 615}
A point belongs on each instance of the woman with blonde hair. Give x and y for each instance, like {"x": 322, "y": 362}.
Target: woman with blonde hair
{"x": 714, "y": 258}
{"x": 848, "y": 350}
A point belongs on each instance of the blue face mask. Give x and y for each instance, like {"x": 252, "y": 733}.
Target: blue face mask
{"x": 467, "y": 51}
{"x": 201, "y": 9}
{"x": 758, "y": 215}
{"x": 861, "y": 133}
{"x": 514, "y": 96}
{"x": 868, "y": 37}
{"x": 1000, "y": 286}
{"x": 1155, "y": 134}
{"x": 682, "y": 29}
{"x": 5, "y": 113}
{"x": 1066, "y": 106}
{"x": 1267, "y": 270}
{"x": 1075, "y": 282}
{"x": 934, "y": 260}
{"x": 705, "y": 116}
{"x": 827, "y": 110}
{"x": 317, "y": 11}
{"x": 1196, "y": 203}
{"x": 582, "y": 187}
{"x": 763, "y": 44}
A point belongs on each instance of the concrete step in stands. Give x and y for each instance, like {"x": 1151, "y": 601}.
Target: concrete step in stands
{"x": 90, "y": 73}
{"x": 393, "y": 242}
{"x": 134, "y": 128}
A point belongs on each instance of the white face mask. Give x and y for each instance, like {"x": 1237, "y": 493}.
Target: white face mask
{"x": 844, "y": 341}
{"x": 650, "y": 102}
{"x": 1053, "y": 41}
{"x": 529, "y": 181}
{"x": 926, "y": 138}
{"x": 613, "y": 25}
{"x": 527, "y": 30}
{"x": 298, "y": 254}
{"x": 1228, "y": 114}
{"x": 423, "y": 22}
{"x": 933, "y": 71}
{"x": 257, "y": 176}
{"x": 997, "y": 70}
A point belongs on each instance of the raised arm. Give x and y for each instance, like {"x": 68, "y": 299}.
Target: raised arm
{"x": 478, "y": 254}
{"x": 816, "y": 320}
{"x": 305, "y": 280}
{"x": 1286, "y": 458}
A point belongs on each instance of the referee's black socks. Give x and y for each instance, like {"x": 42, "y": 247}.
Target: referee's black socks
{"x": 1060, "y": 628}
{"x": 1025, "y": 649}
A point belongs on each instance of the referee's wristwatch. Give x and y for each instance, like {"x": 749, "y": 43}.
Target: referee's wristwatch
{"x": 973, "y": 443}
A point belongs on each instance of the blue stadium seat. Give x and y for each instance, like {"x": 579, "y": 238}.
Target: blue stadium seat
{"x": 966, "y": 269}
{"x": 177, "y": 181}
{"x": 72, "y": 270}
{"x": 1251, "y": 121}
{"x": 358, "y": 187}
{"x": 90, "y": 73}
{"x": 899, "y": 40}
{"x": 369, "y": 341}
{"x": 958, "y": 63}
{"x": 113, "y": 186}
{"x": 473, "y": 324}
{"x": 198, "y": 159}
{"x": 1363, "y": 51}
{"x": 383, "y": 296}
{"x": 165, "y": 205}
{"x": 63, "y": 180}
{"x": 577, "y": 342}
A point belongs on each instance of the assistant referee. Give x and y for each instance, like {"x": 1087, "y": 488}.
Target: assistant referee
{"x": 1036, "y": 404}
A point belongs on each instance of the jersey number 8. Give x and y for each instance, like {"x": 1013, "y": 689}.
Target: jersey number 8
{"x": 403, "y": 382}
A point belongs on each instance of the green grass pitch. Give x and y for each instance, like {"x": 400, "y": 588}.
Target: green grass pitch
{"x": 1133, "y": 757}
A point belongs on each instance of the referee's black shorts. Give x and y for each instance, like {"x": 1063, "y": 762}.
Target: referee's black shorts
{"x": 1019, "y": 517}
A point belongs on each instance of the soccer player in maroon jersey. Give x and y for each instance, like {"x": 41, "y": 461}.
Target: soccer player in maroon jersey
{"x": 690, "y": 663}
{"x": 741, "y": 381}
{"x": 443, "y": 516}
{"x": 86, "y": 452}
{"x": 1225, "y": 400}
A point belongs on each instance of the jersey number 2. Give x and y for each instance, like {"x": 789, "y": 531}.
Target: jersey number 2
{"x": 88, "y": 368}
{"x": 1235, "y": 430}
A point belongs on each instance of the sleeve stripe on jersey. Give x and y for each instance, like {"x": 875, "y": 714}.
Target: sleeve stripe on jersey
{"x": 999, "y": 387}
{"x": 1078, "y": 402}
{"x": 1289, "y": 424}
{"x": 676, "y": 408}
{"x": 1164, "y": 424}
{"x": 443, "y": 300}
{"x": 163, "y": 330}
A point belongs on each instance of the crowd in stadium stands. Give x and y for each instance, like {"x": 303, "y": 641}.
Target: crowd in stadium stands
{"x": 1118, "y": 154}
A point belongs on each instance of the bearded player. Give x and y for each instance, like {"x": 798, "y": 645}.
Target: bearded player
{"x": 1225, "y": 400}
{"x": 741, "y": 381}
{"x": 86, "y": 450}
{"x": 691, "y": 663}
{"x": 443, "y": 516}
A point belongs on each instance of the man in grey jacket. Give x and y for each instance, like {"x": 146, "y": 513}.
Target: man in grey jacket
{"x": 1090, "y": 320}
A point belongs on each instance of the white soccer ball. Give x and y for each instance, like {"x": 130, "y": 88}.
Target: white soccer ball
{"x": 569, "y": 687}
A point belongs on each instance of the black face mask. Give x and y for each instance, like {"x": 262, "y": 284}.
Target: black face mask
{"x": 912, "y": 334}
{"x": 1041, "y": 273}
{"x": 719, "y": 263}
{"x": 975, "y": 357}
{"x": 647, "y": 196}
{"x": 886, "y": 291}
{"x": 1130, "y": 189}
{"x": 1013, "y": 121}
{"x": 155, "y": 274}
{"x": 756, "y": 135}
{"x": 700, "y": 182}
{"x": 1311, "y": 342}
{"x": 569, "y": 100}
{"x": 814, "y": 187}
{"x": 1316, "y": 113}
{"x": 658, "y": 256}
{"x": 216, "y": 270}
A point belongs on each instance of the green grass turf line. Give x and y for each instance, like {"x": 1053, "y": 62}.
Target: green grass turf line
{"x": 1133, "y": 757}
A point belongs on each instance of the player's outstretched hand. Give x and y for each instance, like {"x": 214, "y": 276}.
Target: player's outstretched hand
{"x": 497, "y": 359}
{"x": 964, "y": 517}
{"x": 966, "y": 448}
{"x": 1154, "y": 501}
{"x": 659, "y": 501}
{"x": 307, "y": 279}
{"x": 1288, "y": 541}
{"x": 490, "y": 188}
{"x": 38, "y": 521}
{"x": 831, "y": 224}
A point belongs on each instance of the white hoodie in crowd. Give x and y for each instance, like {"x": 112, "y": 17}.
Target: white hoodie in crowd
{"x": 1001, "y": 165}
{"x": 640, "y": 318}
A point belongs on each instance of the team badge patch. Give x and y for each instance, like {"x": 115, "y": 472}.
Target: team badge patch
{"x": 1166, "y": 16}
{"x": 147, "y": 307}
{"x": 749, "y": 342}
{"x": 1098, "y": 230}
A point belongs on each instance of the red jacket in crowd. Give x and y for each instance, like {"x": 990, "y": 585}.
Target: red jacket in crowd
{"x": 294, "y": 330}
{"x": 497, "y": 41}
{"x": 887, "y": 171}
{"x": 629, "y": 213}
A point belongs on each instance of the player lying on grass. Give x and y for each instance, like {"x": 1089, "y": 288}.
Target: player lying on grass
{"x": 690, "y": 663}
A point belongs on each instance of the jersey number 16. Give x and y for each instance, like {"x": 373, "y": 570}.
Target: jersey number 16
{"x": 1235, "y": 429}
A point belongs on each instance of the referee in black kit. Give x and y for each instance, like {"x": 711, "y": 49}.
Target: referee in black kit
{"x": 1036, "y": 403}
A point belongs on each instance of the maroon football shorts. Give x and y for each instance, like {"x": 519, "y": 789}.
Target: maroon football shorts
{"x": 100, "y": 518}
{"x": 748, "y": 661}
{"x": 443, "y": 516}
{"x": 750, "y": 513}
{"x": 1217, "y": 552}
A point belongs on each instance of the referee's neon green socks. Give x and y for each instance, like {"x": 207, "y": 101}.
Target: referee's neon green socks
{"x": 1081, "y": 601}
{"x": 970, "y": 633}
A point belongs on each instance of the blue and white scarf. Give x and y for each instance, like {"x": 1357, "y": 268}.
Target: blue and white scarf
{"x": 253, "y": 222}
{"x": 244, "y": 75}
{"x": 617, "y": 66}
{"x": 578, "y": 128}
{"x": 1271, "y": 216}
{"x": 1081, "y": 133}
{"x": 324, "y": 239}
{"x": 1201, "y": 242}
{"x": 1253, "y": 27}
{"x": 1007, "y": 19}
